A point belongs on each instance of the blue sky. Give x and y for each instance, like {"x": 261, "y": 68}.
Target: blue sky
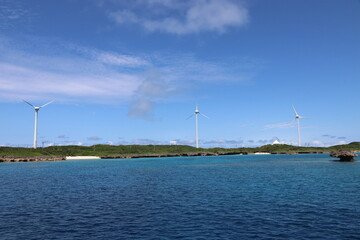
{"x": 131, "y": 72}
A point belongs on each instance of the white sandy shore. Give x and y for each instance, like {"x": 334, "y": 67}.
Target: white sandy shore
{"x": 81, "y": 157}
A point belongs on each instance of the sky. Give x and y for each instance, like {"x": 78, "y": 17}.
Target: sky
{"x": 132, "y": 72}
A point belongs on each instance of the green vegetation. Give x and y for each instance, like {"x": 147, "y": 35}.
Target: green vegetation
{"x": 110, "y": 150}
{"x": 97, "y": 150}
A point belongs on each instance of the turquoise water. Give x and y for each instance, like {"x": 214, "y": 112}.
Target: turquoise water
{"x": 225, "y": 197}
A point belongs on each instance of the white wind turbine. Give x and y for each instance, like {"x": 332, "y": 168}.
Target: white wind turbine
{"x": 196, "y": 113}
{"x": 297, "y": 118}
{"x": 36, "y": 120}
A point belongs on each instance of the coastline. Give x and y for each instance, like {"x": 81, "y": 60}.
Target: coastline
{"x": 81, "y": 157}
{"x": 31, "y": 159}
{"x": 205, "y": 154}
{"x": 131, "y": 156}
{"x": 60, "y": 153}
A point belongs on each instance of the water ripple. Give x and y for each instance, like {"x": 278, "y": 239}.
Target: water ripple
{"x": 227, "y": 197}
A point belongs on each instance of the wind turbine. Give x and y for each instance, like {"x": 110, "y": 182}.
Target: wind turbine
{"x": 297, "y": 118}
{"x": 196, "y": 113}
{"x": 36, "y": 120}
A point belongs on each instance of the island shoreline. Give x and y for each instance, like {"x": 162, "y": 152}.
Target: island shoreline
{"x": 134, "y": 156}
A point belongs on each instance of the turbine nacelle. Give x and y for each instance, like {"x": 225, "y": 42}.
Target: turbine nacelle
{"x": 197, "y": 110}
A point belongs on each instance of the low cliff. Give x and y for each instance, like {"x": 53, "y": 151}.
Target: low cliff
{"x": 30, "y": 159}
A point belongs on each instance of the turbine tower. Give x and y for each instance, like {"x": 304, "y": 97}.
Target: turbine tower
{"x": 297, "y": 118}
{"x": 36, "y": 120}
{"x": 196, "y": 113}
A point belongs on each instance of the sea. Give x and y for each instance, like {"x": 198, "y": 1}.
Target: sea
{"x": 307, "y": 196}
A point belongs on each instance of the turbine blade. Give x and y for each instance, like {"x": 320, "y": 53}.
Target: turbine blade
{"x": 47, "y": 104}
{"x": 204, "y": 115}
{"x": 295, "y": 110}
{"x": 29, "y": 103}
{"x": 190, "y": 116}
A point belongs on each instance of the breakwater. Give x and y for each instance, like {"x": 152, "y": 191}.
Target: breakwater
{"x": 30, "y": 159}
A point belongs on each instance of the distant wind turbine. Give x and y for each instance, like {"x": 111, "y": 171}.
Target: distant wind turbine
{"x": 36, "y": 120}
{"x": 297, "y": 118}
{"x": 196, "y": 113}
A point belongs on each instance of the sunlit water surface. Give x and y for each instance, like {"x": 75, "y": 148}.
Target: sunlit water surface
{"x": 226, "y": 197}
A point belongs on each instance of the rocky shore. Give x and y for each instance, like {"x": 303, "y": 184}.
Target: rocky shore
{"x": 198, "y": 154}
{"x": 169, "y": 155}
{"x": 30, "y": 159}
{"x": 345, "y": 156}
{"x": 129, "y": 156}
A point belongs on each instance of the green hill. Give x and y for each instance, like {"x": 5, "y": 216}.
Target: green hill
{"x": 110, "y": 150}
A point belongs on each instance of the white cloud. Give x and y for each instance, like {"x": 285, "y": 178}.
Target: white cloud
{"x": 111, "y": 58}
{"x": 77, "y": 74}
{"x": 317, "y": 143}
{"x": 189, "y": 142}
{"x": 23, "y": 82}
{"x": 71, "y": 73}
{"x": 189, "y": 17}
{"x": 341, "y": 142}
{"x": 280, "y": 125}
{"x": 120, "y": 60}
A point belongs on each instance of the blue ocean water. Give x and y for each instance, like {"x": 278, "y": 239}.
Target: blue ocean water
{"x": 225, "y": 197}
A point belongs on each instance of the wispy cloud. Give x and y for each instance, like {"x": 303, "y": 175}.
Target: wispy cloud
{"x": 67, "y": 77}
{"x": 151, "y": 89}
{"x": 224, "y": 142}
{"x": 12, "y": 12}
{"x": 187, "y": 67}
{"x": 120, "y": 60}
{"x": 189, "y": 142}
{"x": 183, "y": 17}
{"x": 110, "y": 58}
{"x": 318, "y": 143}
{"x": 63, "y": 137}
{"x": 333, "y": 137}
{"x": 341, "y": 142}
{"x": 264, "y": 141}
{"x": 147, "y": 142}
{"x": 280, "y": 125}
{"x": 24, "y": 82}
{"x": 94, "y": 138}
{"x": 73, "y": 73}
